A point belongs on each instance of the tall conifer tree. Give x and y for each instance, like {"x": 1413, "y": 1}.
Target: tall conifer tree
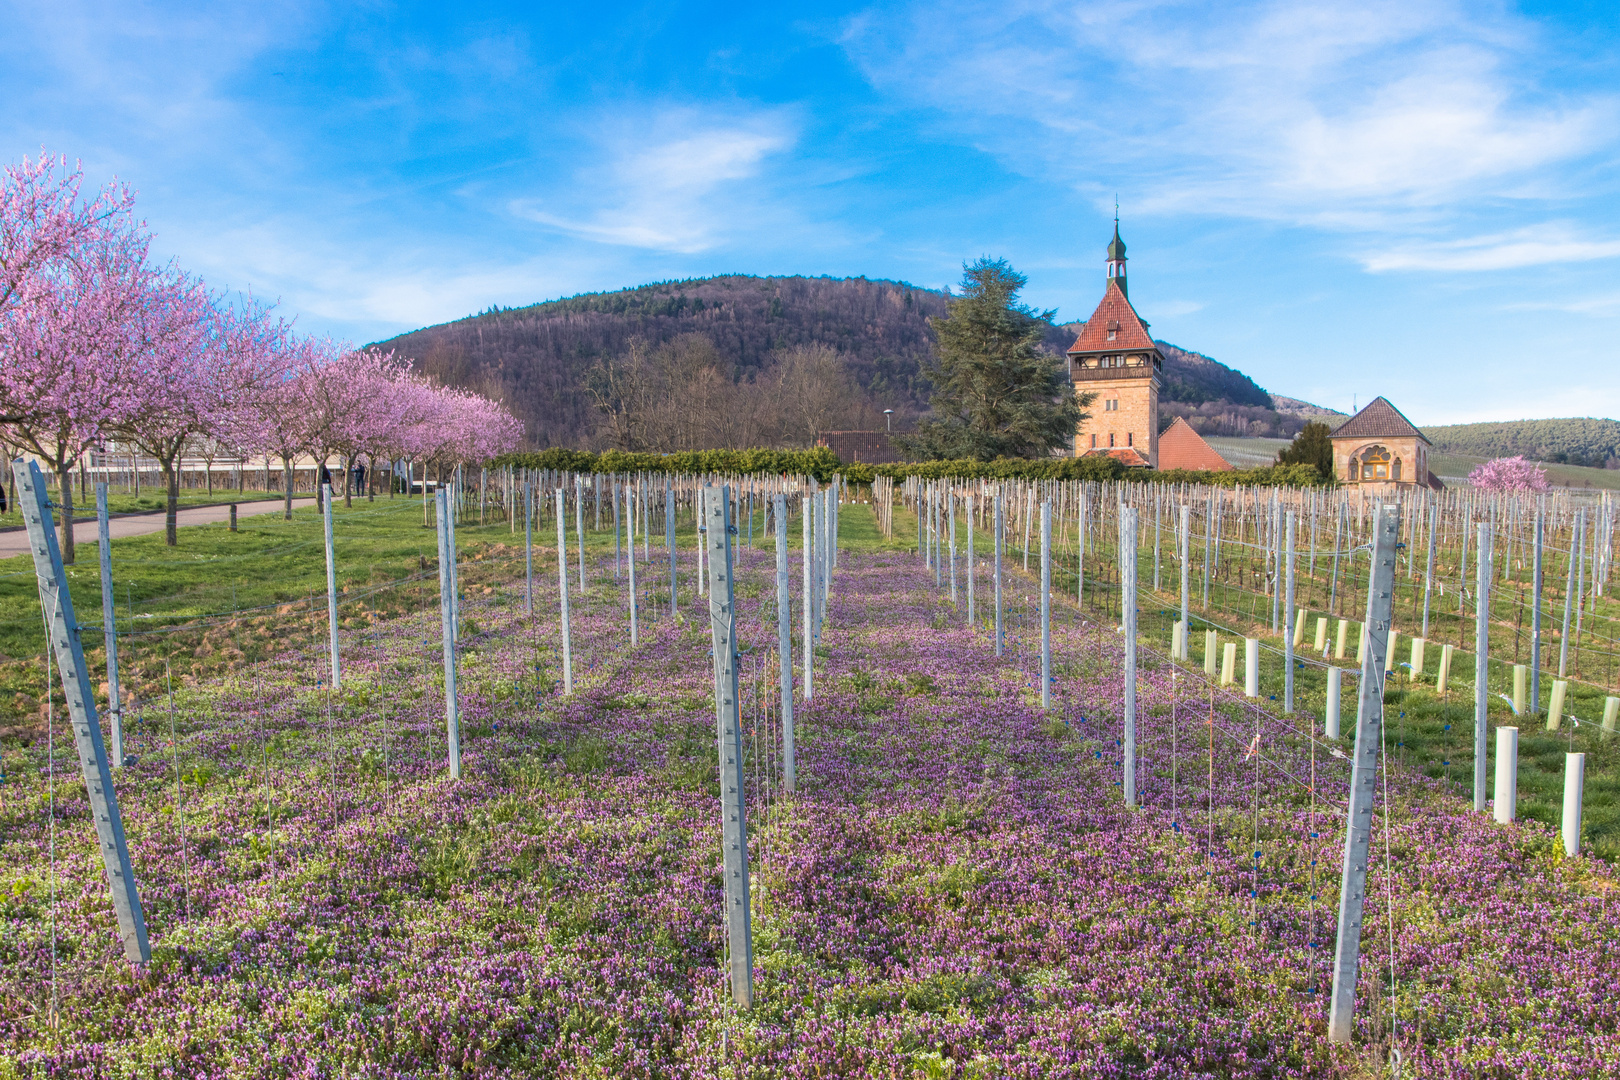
{"x": 996, "y": 394}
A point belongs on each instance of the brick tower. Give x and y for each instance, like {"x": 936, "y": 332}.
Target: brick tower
{"x": 1115, "y": 357}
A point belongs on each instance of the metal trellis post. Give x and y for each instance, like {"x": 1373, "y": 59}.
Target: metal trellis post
{"x": 1482, "y": 658}
{"x": 109, "y": 627}
{"x": 331, "y": 588}
{"x": 63, "y": 630}
{"x": 1046, "y": 605}
{"x": 1127, "y": 601}
{"x": 1363, "y": 783}
{"x": 723, "y": 628}
{"x": 447, "y": 623}
{"x": 784, "y": 643}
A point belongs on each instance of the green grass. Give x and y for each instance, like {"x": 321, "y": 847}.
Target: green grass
{"x": 220, "y": 600}
{"x": 149, "y": 500}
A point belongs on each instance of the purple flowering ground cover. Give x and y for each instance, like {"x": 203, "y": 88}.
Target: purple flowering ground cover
{"x": 955, "y": 891}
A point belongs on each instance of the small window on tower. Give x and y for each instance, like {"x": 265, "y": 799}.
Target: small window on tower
{"x": 1110, "y": 438}
{"x": 1130, "y": 438}
{"x": 1094, "y": 442}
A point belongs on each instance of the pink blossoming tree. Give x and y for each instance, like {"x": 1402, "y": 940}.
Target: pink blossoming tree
{"x": 1509, "y": 474}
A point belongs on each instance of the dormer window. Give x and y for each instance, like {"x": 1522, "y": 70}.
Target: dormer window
{"x": 1112, "y": 334}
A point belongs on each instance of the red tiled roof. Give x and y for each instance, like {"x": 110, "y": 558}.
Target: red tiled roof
{"x": 1129, "y": 456}
{"x": 1379, "y": 420}
{"x": 871, "y": 447}
{"x": 1180, "y": 447}
{"x": 1114, "y": 313}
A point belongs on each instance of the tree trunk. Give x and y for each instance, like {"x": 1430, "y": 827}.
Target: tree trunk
{"x": 171, "y": 512}
{"x": 348, "y": 480}
{"x": 64, "y": 473}
{"x": 287, "y": 486}
{"x": 210, "y": 481}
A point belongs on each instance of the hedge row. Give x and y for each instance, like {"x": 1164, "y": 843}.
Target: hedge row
{"x": 821, "y": 463}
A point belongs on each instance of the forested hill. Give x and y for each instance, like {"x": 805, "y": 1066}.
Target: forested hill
{"x": 536, "y": 358}
{"x": 1580, "y": 440}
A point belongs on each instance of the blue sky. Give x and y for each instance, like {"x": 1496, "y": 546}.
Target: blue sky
{"x": 1413, "y": 198}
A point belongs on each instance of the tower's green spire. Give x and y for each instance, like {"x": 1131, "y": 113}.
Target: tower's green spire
{"x": 1116, "y": 254}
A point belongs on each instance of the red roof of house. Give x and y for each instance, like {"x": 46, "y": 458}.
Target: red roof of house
{"x": 1129, "y": 456}
{"x": 1180, "y": 447}
{"x": 1114, "y": 313}
{"x": 1379, "y": 420}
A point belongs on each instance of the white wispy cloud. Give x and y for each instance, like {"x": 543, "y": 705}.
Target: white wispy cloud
{"x": 682, "y": 183}
{"x": 1331, "y": 114}
{"x": 1536, "y": 246}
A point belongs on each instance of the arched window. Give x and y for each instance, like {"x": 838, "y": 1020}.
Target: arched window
{"x": 1355, "y": 469}
{"x": 1397, "y": 470}
{"x": 1375, "y": 463}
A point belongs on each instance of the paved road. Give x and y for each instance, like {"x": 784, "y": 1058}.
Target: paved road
{"x": 84, "y": 532}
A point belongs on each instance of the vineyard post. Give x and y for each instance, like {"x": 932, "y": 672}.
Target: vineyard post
{"x": 1127, "y": 594}
{"x": 784, "y": 642}
{"x": 562, "y": 595}
{"x": 109, "y": 627}
{"x": 698, "y": 530}
{"x": 447, "y": 625}
{"x": 1046, "y": 605}
{"x": 1428, "y": 566}
{"x": 618, "y": 526}
{"x": 970, "y": 559}
{"x": 635, "y": 607}
{"x": 934, "y": 509}
{"x": 998, "y": 573}
{"x": 950, "y": 518}
{"x": 1209, "y": 504}
{"x": 1482, "y": 643}
{"x": 669, "y": 543}
{"x": 579, "y": 527}
{"x": 1359, "y": 815}
{"x": 806, "y": 596}
{"x": 63, "y": 632}
{"x": 1535, "y": 614}
{"x": 331, "y": 587}
{"x": 1276, "y": 560}
{"x": 723, "y": 632}
{"x": 448, "y": 515}
{"x": 1569, "y": 594}
{"x": 1288, "y": 617}
{"x": 1080, "y": 553}
{"x": 528, "y": 547}
{"x": 1185, "y": 543}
